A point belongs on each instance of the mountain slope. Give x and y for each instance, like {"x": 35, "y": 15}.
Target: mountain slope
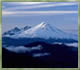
{"x": 11, "y": 32}
{"x": 46, "y": 31}
{"x": 15, "y": 31}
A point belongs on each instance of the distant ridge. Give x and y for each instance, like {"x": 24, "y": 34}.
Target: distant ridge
{"x": 15, "y": 30}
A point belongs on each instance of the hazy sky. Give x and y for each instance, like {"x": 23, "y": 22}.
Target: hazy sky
{"x": 63, "y": 15}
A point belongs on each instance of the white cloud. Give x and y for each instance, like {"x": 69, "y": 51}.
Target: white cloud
{"x": 40, "y": 6}
{"x": 4, "y": 13}
{"x": 14, "y": 10}
{"x": 30, "y": 3}
{"x": 8, "y": 13}
{"x": 24, "y": 3}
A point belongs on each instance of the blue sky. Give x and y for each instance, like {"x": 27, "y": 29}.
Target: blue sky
{"x": 63, "y": 15}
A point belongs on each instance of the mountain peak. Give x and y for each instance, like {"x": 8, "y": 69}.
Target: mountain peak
{"x": 16, "y": 28}
{"x": 46, "y": 31}
{"x": 43, "y": 22}
{"x": 41, "y": 25}
{"x": 26, "y": 27}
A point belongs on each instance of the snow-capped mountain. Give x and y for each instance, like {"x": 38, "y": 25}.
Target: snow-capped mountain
{"x": 16, "y": 30}
{"x": 26, "y": 28}
{"x": 11, "y": 32}
{"x": 44, "y": 30}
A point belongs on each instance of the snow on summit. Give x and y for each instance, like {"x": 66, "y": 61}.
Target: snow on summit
{"x": 44, "y": 30}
